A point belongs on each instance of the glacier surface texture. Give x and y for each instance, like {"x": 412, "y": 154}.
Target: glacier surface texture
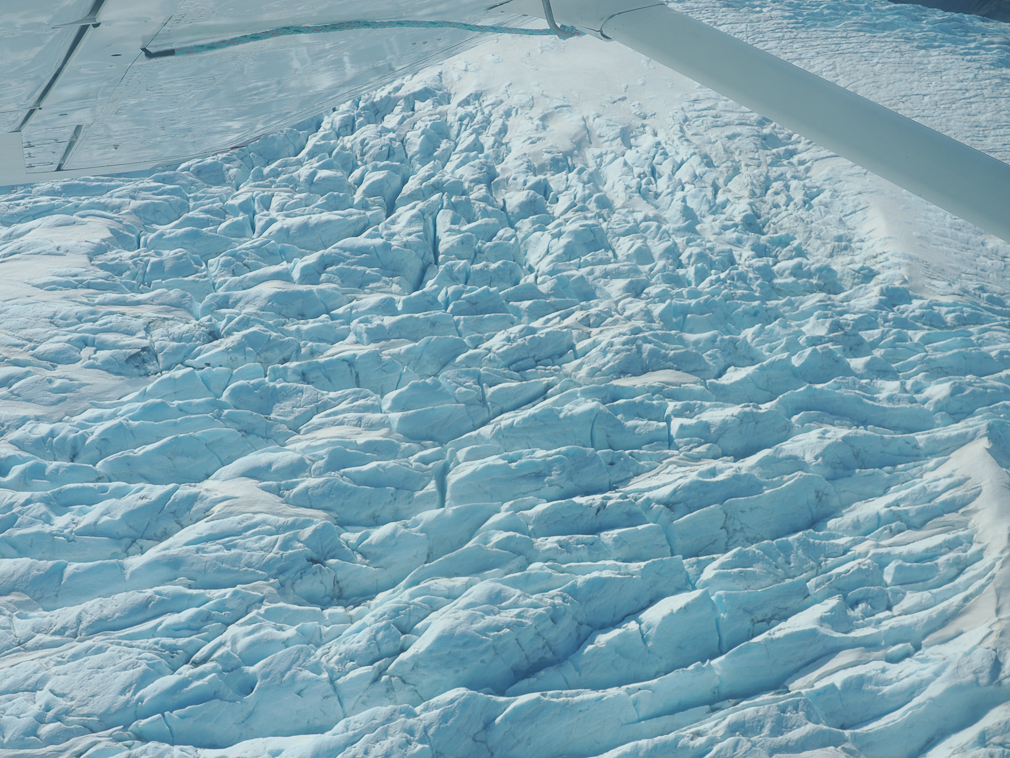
{"x": 540, "y": 405}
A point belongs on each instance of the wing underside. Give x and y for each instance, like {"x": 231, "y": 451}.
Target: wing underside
{"x": 85, "y": 98}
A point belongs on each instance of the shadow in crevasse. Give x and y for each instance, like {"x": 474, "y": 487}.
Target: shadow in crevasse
{"x": 995, "y": 9}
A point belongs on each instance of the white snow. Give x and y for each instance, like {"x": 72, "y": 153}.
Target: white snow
{"x": 543, "y": 404}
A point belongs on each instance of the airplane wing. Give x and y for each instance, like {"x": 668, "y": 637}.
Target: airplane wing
{"x": 116, "y": 85}
{"x": 81, "y": 96}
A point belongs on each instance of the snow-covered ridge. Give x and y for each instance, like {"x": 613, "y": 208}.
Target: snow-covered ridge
{"x": 529, "y": 423}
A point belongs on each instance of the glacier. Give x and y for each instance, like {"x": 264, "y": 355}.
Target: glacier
{"x": 539, "y": 404}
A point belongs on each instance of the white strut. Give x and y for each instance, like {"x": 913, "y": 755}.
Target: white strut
{"x": 937, "y": 168}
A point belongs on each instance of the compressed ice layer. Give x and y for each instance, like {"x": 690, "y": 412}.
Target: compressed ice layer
{"x": 421, "y": 429}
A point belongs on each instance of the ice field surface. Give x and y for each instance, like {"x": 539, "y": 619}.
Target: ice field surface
{"x": 540, "y": 404}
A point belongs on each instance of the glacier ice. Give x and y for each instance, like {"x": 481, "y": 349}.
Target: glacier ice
{"x": 477, "y": 419}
